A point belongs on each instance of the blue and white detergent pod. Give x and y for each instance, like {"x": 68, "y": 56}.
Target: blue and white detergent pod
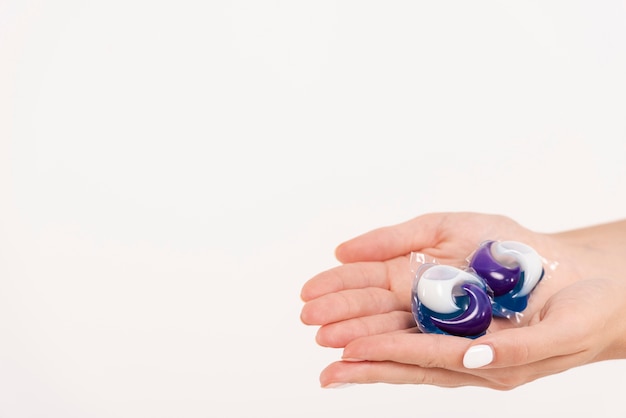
{"x": 458, "y": 301}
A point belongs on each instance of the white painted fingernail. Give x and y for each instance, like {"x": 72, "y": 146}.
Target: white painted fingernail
{"x": 478, "y": 356}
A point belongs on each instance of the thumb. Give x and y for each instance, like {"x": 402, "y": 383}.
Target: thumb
{"x": 524, "y": 345}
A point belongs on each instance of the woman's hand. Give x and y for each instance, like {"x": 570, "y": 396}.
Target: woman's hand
{"x": 371, "y": 292}
{"x": 364, "y": 305}
{"x": 580, "y": 324}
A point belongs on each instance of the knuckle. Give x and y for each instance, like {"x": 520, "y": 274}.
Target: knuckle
{"x": 327, "y": 337}
{"x": 510, "y": 380}
{"x": 521, "y": 354}
{"x": 424, "y": 378}
{"x": 434, "y": 360}
{"x": 512, "y": 352}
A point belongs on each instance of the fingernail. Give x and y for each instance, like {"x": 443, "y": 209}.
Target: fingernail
{"x": 351, "y": 360}
{"x": 478, "y": 356}
{"x": 337, "y": 385}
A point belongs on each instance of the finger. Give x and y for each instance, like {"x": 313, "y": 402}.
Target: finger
{"x": 441, "y": 352}
{"x": 348, "y": 276}
{"x": 392, "y": 274}
{"x": 388, "y": 372}
{"x": 437, "y": 353}
{"x": 352, "y": 303}
{"x": 424, "y": 350}
{"x": 567, "y": 327}
{"x": 391, "y": 241}
{"x": 524, "y": 345}
{"x": 512, "y": 377}
{"x": 339, "y": 334}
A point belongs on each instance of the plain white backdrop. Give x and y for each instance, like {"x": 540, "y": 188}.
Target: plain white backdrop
{"x": 172, "y": 172}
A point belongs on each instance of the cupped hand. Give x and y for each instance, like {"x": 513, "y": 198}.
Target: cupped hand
{"x": 370, "y": 293}
{"x": 580, "y": 324}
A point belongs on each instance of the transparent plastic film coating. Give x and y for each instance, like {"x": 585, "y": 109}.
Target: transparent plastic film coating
{"x": 511, "y": 270}
{"x": 448, "y": 300}
{"x": 462, "y": 300}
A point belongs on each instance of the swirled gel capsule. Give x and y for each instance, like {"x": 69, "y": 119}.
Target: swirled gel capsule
{"x": 511, "y": 270}
{"x": 448, "y": 300}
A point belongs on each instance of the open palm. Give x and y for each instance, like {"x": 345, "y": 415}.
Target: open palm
{"x": 370, "y": 292}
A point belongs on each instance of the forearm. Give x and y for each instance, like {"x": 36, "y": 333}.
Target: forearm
{"x": 597, "y": 251}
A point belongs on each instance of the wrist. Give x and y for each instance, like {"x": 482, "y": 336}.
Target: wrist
{"x": 596, "y": 252}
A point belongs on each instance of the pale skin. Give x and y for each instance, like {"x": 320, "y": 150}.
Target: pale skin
{"x": 574, "y": 316}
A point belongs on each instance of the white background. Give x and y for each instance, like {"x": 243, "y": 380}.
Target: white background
{"x": 172, "y": 172}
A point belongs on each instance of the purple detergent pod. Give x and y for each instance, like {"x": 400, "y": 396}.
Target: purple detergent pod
{"x": 448, "y": 300}
{"x": 511, "y": 270}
